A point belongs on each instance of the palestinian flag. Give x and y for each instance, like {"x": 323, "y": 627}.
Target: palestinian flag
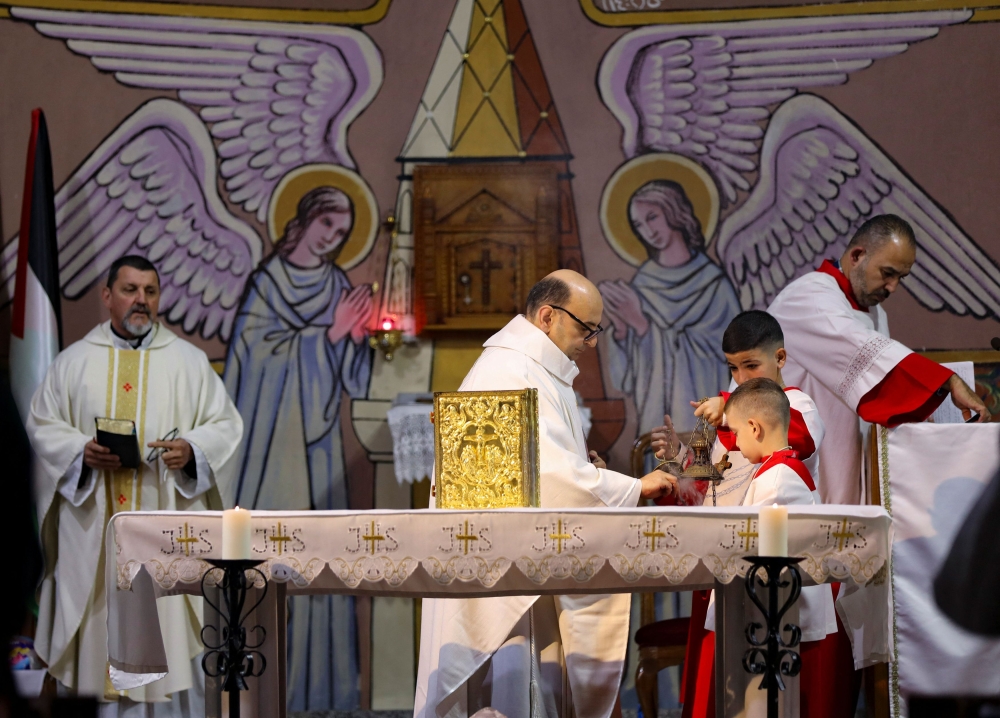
{"x": 36, "y": 325}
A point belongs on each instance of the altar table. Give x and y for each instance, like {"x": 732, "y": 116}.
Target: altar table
{"x": 431, "y": 553}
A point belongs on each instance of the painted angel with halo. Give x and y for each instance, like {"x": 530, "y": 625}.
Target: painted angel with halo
{"x": 262, "y": 110}
{"x": 778, "y": 180}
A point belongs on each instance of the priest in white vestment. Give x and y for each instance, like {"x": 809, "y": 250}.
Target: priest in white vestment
{"x": 131, "y": 368}
{"x": 840, "y": 353}
{"x": 459, "y": 637}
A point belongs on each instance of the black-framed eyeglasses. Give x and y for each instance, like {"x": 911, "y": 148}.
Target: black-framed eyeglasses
{"x": 592, "y": 333}
{"x": 155, "y": 452}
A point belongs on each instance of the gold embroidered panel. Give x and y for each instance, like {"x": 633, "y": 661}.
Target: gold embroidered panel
{"x": 486, "y": 449}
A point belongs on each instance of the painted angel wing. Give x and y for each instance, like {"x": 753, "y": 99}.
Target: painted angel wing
{"x": 703, "y": 90}
{"x": 821, "y": 177}
{"x": 150, "y": 189}
{"x": 276, "y": 95}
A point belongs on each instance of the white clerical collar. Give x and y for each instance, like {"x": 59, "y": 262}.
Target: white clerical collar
{"x": 522, "y": 336}
{"x": 119, "y": 342}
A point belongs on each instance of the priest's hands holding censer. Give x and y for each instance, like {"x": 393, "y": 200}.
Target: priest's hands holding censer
{"x": 351, "y": 316}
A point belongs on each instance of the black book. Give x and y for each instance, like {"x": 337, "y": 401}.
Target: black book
{"x": 119, "y": 436}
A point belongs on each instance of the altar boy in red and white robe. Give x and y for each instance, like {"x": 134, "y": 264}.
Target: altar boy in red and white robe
{"x": 840, "y": 353}
{"x": 758, "y": 415}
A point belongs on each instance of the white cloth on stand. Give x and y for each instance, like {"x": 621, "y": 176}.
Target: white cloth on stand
{"x": 934, "y": 473}
{"x": 412, "y": 441}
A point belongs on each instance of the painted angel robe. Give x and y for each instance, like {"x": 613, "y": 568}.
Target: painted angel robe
{"x": 679, "y": 359}
{"x": 458, "y": 636}
{"x": 287, "y": 380}
{"x": 842, "y": 356}
{"x": 165, "y": 384}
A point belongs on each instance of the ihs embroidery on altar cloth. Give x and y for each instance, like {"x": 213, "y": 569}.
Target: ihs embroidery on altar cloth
{"x": 465, "y": 539}
{"x": 280, "y": 540}
{"x": 372, "y": 538}
{"x": 652, "y": 535}
{"x": 559, "y": 536}
{"x": 187, "y": 540}
{"x": 743, "y": 535}
{"x": 842, "y": 535}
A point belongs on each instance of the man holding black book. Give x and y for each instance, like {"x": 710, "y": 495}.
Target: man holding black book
{"x": 129, "y": 418}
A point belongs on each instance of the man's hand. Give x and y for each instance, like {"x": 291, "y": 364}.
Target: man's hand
{"x": 657, "y": 484}
{"x": 597, "y": 460}
{"x": 966, "y": 399}
{"x": 177, "y": 453}
{"x": 100, "y": 457}
{"x": 711, "y": 409}
{"x": 666, "y": 444}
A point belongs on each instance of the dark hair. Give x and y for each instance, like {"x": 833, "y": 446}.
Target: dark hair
{"x": 753, "y": 329}
{"x": 549, "y": 290}
{"x": 763, "y": 399}
{"x": 314, "y": 203}
{"x": 677, "y": 210}
{"x": 880, "y": 229}
{"x": 134, "y": 261}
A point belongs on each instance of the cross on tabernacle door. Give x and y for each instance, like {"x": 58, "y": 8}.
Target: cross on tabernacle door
{"x": 486, "y": 266}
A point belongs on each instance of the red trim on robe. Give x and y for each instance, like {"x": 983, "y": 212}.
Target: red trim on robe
{"x": 789, "y": 458}
{"x": 828, "y": 267}
{"x": 799, "y": 437}
{"x": 698, "y": 680}
{"x": 908, "y": 393}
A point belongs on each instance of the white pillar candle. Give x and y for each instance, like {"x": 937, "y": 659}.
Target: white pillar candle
{"x": 236, "y": 535}
{"x": 772, "y": 530}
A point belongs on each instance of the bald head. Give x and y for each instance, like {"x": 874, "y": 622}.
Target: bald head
{"x": 568, "y": 308}
{"x": 883, "y": 228}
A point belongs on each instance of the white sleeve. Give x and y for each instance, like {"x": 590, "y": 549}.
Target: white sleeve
{"x": 188, "y": 487}
{"x": 69, "y": 484}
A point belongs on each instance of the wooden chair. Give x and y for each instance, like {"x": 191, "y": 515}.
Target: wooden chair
{"x": 661, "y": 643}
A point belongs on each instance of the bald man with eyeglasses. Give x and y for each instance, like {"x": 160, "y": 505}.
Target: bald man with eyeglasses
{"x": 477, "y": 652}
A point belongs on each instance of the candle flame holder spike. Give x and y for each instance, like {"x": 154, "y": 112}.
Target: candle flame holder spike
{"x": 234, "y": 658}
{"x": 771, "y": 655}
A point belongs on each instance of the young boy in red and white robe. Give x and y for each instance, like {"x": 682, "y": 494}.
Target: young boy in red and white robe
{"x": 754, "y": 347}
{"x": 758, "y": 415}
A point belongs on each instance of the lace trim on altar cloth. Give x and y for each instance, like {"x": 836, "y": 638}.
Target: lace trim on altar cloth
{"x": 861, "y": 362}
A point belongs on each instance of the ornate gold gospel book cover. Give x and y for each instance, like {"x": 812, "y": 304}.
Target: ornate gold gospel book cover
{"x": 486, "y": 449}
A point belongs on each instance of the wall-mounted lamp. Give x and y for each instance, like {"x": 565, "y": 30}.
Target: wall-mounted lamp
{"x": 387, "y": 338}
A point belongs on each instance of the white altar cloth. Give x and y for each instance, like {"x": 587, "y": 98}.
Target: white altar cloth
{"x": 422, "y": 553}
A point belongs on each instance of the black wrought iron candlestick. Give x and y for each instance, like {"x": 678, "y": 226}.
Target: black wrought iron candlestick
{"x": 771, "y": 655}
{"x": 234, "y": 659}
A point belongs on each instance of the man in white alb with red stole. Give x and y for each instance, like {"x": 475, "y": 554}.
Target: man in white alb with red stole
{"x": 840, "y": 353}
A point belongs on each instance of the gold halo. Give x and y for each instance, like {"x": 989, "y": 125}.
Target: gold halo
{"x": 295, "y": 184}
{"x": 632, "y": 175}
